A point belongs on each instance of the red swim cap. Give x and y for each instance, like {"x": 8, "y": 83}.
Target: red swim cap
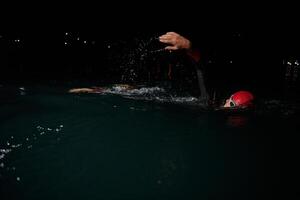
{"x": 242, "y": 98}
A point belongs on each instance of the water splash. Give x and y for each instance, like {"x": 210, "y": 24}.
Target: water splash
{"x": 151, "y": 94}
{"x": 12, "y": 146}
{"x": 132, "y": 55}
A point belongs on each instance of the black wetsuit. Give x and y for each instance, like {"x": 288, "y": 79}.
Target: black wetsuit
{"x": 189, "y": 75}
{"x": 199, "y": 67}
{"x": 185, "y": 77}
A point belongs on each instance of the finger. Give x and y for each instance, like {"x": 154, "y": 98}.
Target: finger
{"x": 166, "y": 37}
{"x": 171, "y": 48}
{"x": 167, "y": 41}
{"x": 172, "y": 34}
{"x": 168, "y": 33}
{"x": 71, "y": 91}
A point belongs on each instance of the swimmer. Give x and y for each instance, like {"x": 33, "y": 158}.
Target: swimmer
{"x": 240, "y": 100}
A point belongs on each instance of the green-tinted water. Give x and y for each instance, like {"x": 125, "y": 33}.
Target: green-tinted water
{"x": 56, "y": 145}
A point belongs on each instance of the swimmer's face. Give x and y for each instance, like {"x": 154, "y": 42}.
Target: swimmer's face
{"x": 229, "y": 103}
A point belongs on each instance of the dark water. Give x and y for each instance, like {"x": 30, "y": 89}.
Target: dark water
{"x": 55, "y": 145}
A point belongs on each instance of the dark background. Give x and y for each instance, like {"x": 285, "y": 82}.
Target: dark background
{"x": 243, "y": 46}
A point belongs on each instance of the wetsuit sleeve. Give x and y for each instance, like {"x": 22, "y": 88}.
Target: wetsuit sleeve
{"x": 201, "y": 80}
{"x": 197, "y": 55}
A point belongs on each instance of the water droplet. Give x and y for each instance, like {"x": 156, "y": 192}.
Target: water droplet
{"x": 16, "y": 145}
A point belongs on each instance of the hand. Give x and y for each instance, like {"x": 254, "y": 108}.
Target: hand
{"x": 175, "y": 41}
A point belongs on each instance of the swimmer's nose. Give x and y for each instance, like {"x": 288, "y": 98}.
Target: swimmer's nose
{"x": 226, "y": 103}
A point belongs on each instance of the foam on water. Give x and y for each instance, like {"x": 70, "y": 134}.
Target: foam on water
{"x": 141, "y": 91}
{"x": 158, "y": 94}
